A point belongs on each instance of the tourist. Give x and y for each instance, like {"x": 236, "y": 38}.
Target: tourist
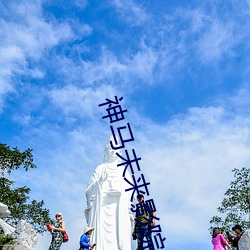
{"x": 231, "y": 240}
{"x": 85, "y": 238}
{"x": 142, "y": 229}
{"x": 238, "y": 230}
{"x": 218, "y": 240}
{"x": 56, "y": 231}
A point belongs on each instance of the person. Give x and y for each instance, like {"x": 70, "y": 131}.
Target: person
{"x": 231, "y": 240}
{"x": 218, "y": 240}
{"x": 238, "y": 230}
{"x": 108, "y": 204}
{"x": 85, "y": 238}
{"x": 56, "y": 231}
{"x": 142, "y": 229}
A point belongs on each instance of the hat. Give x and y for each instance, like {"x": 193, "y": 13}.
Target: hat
{"x": 237, "y": 227}
{"x": 87, "y": 229}
{"x": 59, "y": 213}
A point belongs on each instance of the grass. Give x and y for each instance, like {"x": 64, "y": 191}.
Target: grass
{"x": 6, "y": 240}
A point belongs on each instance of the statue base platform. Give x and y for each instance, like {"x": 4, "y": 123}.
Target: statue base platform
{"x": 12, "y": 247}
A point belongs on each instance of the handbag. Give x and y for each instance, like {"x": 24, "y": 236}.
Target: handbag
{"x": 65, "y": 236}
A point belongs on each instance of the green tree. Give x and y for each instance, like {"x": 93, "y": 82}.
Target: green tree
{"x": 17, "y": 199}
{"x": 235, "y": 207}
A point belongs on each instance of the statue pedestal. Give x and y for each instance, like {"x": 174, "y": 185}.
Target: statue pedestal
{"x": 13, "y": 247}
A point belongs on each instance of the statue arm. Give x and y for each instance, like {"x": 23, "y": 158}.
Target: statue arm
{"x": 8, "y": 229}
{"x": 90, "y": 190}
{"x": 94, "y": 183}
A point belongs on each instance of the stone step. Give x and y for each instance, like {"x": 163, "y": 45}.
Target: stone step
{"x": 12, "y": 247}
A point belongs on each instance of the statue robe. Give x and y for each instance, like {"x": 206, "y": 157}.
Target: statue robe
{"x": 108, "y": 208}
{"x": 244, "y": 242}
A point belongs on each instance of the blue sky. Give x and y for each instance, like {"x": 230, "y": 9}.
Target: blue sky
{"x": 183, "y": 70}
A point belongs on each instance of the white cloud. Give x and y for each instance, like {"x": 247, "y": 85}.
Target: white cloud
{"x": 143, "y": 63}
{"x": 198, "y": 19}
{"x": 198, "y": 33}
{"x": 80, "y": 102}
{"x": 188, "y": 162}
{"x": 10, "y": 58}
{"x": 121, "y": 71}
{"x": 217, "y": 42}
{"x": 80, "y": 3}
{"x": 131, "y": 12}
{"x": 25, "y": 35}
{"x": 105, "y": 69}
{"x": 239, "y": 101}
{"x": 32, "y": 33}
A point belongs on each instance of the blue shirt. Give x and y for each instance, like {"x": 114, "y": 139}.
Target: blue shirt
{"x": 84, "y": 242}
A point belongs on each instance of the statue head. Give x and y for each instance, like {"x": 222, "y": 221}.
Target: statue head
{"x": 4, "y": 212}
{"x": 110, "y": 154}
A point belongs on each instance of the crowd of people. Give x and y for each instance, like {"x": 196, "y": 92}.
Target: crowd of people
{"x": 141, "y": 230}
{"x": 57, "y": 235}
{"x": 219, "y": 241}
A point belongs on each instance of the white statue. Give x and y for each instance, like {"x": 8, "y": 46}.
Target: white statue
{"x": 4, "y": 212}
{"x": 244, "y": 242}
{"x": 108, "y": 205}
{"x": 25, "y": 235}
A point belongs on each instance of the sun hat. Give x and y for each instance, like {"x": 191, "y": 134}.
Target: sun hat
{"x": 59, "y": 213}
{"x": 87, "y": 229}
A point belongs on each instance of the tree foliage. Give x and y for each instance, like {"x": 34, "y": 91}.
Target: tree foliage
{"x": 235, "y": 207}
{"x": 17, "y": 199}
{"x": 13, "y": 158}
